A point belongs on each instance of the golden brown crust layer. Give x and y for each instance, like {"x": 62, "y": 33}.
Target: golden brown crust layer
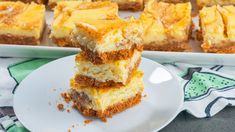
{"x": 19, "y": 40}
{"x": 64, "y": 42}
{"x": 89, "y": 81}
{"x": 111, "y": 110}
{"x": 106, "y": 57}
{"x": 134, "y": 6}
{"x": 179, "y": 46}
{"x": 223, "y": 48}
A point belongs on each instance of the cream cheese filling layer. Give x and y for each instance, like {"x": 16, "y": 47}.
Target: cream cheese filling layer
{"x": 101, "y": 99}
{"x": 117, "y": 71}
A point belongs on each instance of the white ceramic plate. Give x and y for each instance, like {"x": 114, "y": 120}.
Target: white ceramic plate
{"x": 37, "y": 96}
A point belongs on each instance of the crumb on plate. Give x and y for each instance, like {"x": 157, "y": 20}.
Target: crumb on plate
{"x": 104, "y": 119}
{"x": 87, "y": 121}
{"x": 145, "y": 95}
{"x": 66, "y": 97}
{"x": 60, "y": 107}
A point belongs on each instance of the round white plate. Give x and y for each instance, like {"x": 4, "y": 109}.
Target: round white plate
{"x": 37, "y": 96}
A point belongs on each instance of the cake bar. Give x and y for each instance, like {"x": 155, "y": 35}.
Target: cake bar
{"x": 218, "y": 29}
{"x": 66, "y": 13}
{"x": 19, "y": 24}
{"x": 106, "y": 102}
{"x": 167, "y": 26}
{"x": 106, "y": 40}
{"x": 116, "y": 73}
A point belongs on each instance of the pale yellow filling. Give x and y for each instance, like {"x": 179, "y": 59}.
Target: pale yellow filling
{"x": 117, "y": 71}
{"x": 212, "y": 25}
{"x": 228, "y": 14}
{"x": 154, "y": 30}
{"x": 166, "y": 22}
{"x": 217, "y": 24}
{"x": 103, "y": 98}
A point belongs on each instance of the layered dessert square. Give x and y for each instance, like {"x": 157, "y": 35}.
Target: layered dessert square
{"x": 167, "y": 26}
{"x": 107, "y": 40}
{"x": 202, "y": 3}
{"x": 66, "y": 13}
{"x": 19, "y": 24}
{"x": 116, "y": 73}
{"x": 134, "y": 5}
{"x": 217, "y": 27}
{"x": 105, "y": 102}
{"x": 53, "y": 3}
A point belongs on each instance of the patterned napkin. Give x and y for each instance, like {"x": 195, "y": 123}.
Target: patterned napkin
{"x": 207, "y": 89}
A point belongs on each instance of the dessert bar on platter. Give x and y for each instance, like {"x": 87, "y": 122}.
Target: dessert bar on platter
{"x": 66, "y": 13}
{"x": 167, "y": 26}
{"x": 218, "y": 29}
{"x": 19, "y": 24}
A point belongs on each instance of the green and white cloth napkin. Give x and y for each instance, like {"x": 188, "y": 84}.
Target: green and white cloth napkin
{"x": 208, "y": 89}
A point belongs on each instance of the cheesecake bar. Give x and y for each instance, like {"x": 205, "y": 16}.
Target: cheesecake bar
{"x": 134, "y": 5}
{"x": 105, "y": 102}
{"x": 202, "y": 3}
{"x": 53, "y": 3}
{"x": 19, "y": 24}
{"x": 116, "y": 73}
{"x": 104, "y": 41}
{"x": 66, "y": 13}
{"x": 167, "y": 26}
{"x": 218, "y": 29}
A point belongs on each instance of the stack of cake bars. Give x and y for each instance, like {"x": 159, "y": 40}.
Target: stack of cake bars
{"x": 107, "y": 79}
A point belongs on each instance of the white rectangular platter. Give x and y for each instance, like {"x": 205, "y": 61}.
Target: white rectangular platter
{"x": 49, "y": 50}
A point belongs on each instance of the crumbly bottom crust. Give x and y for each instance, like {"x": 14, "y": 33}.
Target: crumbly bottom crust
{"x": 89, "y": 81}
{"x": 64, "y": 42}
{"x": 106, "y": 57}
{"x": 19, "y": 40}
{"x": 133, "y": 6}
{"x": 179, "y": 46}
{"x": 111, "y": 110}
{"x": 223, "y": 48}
